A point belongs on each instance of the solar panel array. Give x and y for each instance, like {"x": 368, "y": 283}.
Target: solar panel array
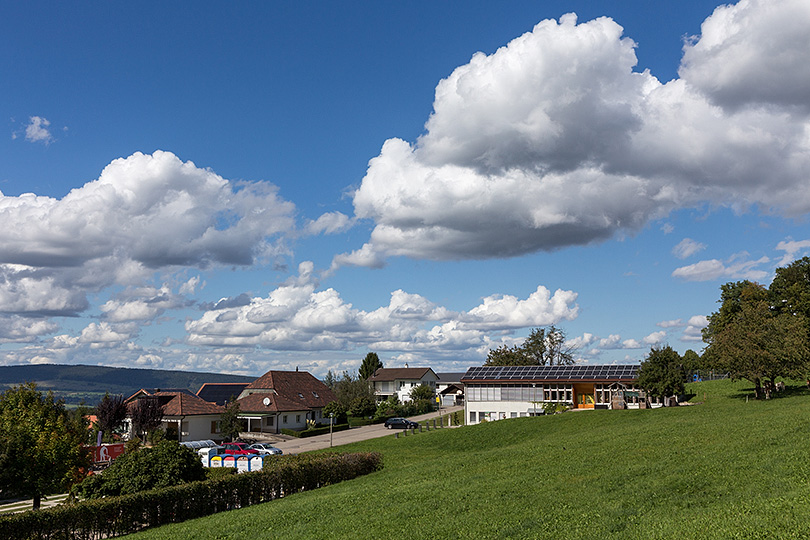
{"x": 558, "y": 373}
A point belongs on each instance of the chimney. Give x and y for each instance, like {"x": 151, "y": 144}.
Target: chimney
{"x": 406, "y": 365}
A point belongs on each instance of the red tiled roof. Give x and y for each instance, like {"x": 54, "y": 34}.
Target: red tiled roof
{"x": 298, "y": 387}
{"x": 183, "y": 404}
{"x": 391, "y": 374}
{"x": 254, "y": 403}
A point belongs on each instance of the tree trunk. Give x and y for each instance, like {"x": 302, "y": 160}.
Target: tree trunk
{"x": 37, "y": 501}
{"x": 757, "y": 388}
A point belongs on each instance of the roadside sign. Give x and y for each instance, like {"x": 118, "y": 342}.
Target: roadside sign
{"x": 107, "y": 452}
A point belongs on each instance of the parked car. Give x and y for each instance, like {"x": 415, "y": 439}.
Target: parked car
{"x": 237, "y": 449}
{"x": 401, "y": 423}
{"x": 266, "y": 449}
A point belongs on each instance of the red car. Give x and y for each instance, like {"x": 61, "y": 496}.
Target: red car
{"x": 237, "y": 449}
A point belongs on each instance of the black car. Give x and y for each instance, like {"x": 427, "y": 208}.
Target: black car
{"x": 401, "y": 423}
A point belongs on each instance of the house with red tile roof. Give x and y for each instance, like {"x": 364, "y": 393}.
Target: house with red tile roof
{"x": 283, "y": 399}
{"x": 192, "y": 417}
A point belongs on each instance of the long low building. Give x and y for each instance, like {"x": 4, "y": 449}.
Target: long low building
{"x": 499, "y": 392}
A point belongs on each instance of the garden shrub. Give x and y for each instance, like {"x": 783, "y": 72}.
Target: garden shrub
{"x": 117, "y": 516}
{"x": 166, "y": 464}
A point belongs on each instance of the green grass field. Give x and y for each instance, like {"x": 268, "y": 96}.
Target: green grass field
{"x": 723, "y": 469}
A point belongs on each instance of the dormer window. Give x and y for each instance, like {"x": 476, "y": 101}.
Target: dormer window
{"x": 300, "y": 395}
{"x": 315, "y": 394}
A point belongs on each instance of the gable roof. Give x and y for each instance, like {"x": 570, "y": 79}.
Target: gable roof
{"x": 391, "y": 374}
{"x": 152, "y": 391}
{"x": 254, "y": 403}
{"x": 448, "y": 378}
{"x": 298, "y": 387}
{"x": 178, "y": 403}
{"x": 220, "y": 393}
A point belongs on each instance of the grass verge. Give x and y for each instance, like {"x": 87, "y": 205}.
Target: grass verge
{"x": 725, "y": 468}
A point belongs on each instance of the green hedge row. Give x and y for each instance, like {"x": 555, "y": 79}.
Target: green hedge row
{"x": 117, "y": 516}
{"x": 313, "y": 432}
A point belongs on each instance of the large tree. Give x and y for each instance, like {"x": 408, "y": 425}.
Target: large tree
{"x": 111, "y": 412}
{"x": 147, "y": 415}
{"x": 757, "y": 342}
{"x": 662, "y": 373}
{"x": 355, "y": 395}
{"x": 41, "y": 442}
{"x": 543, "y": 347}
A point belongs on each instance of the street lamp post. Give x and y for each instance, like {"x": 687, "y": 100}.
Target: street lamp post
{"x": 331, "y": 423}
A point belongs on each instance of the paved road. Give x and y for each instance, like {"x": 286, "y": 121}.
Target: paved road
{"x": 362, "y": 433}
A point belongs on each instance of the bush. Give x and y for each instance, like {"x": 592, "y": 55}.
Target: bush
{"x": 117, "y": 516}
{"x": 166, "y": 464}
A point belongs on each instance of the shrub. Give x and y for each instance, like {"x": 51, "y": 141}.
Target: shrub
{"x": 166, "y": 464}
{"x": 117, "y": 516}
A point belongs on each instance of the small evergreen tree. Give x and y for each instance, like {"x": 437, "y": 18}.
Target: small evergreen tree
{"x": 371, "y": 363}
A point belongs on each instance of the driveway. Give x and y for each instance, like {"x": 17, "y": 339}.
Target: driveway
{"x": 361, "y": 433}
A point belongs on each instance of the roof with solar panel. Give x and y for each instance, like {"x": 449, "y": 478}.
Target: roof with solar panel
{"x": 551, "y": 373}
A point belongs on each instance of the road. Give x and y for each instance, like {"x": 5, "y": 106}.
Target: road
{"x": 362, "y": 433}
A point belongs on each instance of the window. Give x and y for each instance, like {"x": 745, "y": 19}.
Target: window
{"x": 214, "y": 426}
{"x": 513, "y": 415}
{"x": 472, "y": 417}
{"x": 300, "y": 395}
{"x": 268, "y": 420}
{"x": 315, "y": 394}
{"x": 285, "y": 418}
{"x": 297, "y": 418}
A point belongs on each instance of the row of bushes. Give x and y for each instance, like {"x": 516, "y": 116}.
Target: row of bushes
{"x": 117, "y": 516}
{"x": 313, "y": 431}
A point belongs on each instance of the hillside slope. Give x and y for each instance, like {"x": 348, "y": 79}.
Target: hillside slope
{"x": 75, "y": 383}
{"x": 726, "y": 468}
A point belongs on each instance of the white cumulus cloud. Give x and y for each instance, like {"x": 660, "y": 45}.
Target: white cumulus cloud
{"x": 554, "y": 140}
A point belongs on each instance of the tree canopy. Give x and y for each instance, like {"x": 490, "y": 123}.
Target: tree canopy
{"x": 371, "y": 363}
{"x": 543, "y": 347}
{"x": 147, "y": 414}
{"x": 229, "y": 424}
{"x": 662, "y": 373}
{"x": 111, "y": 412}
{"x": 752, "y": 338}
{"x": 40, "y": 444}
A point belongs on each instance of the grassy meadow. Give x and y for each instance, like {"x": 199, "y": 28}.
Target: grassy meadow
{"x": 724, "y": 468}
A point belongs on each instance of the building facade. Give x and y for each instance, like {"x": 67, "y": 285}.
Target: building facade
{"x": 499, "y": 392}
{"x": 400, "y": 381}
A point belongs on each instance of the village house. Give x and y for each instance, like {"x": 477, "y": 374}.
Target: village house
{"x": 400, "y": 381}
{"x": 192, "y": 417}
{"x": 283, "y": 399}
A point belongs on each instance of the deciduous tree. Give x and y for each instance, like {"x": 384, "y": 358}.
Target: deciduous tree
{"x": 543, "y": 347}
{"x": 229, "y": 424}
{"x": 146, "y": 415}
{"x": 662, "y": 374}
{"x": 752, "y": 340}
{"x": 40, "y": 444}
{"x": 111, "y": 412}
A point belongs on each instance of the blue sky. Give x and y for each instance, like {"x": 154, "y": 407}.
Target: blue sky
{"x": 279, "y": 185}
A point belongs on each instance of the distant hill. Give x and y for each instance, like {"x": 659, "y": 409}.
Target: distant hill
{"x": 75, "y": 383}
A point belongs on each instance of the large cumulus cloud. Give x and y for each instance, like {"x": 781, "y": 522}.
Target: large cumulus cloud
{"x": 554, "y": 140}
{"x": 143, "y": 213}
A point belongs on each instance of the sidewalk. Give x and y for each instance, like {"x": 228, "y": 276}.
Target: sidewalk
{"x": 10, "y": 507}
{"x": 361, "y": 433}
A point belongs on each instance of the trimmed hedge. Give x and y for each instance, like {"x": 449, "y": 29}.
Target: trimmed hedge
{"x": 312, "y": 432}
{"x": 117, "y": 516}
